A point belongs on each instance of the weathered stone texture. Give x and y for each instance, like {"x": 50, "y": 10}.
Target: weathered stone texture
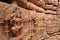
{"x": 32, "y": 21}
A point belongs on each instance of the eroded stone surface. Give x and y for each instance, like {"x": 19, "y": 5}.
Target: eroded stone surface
{"x": 23, "y": 24}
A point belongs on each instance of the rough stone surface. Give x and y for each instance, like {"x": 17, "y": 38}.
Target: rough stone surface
{"x": 23, "y": 23}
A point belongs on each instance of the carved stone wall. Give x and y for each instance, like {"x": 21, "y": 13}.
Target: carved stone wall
{"x": 32, "y": 21}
